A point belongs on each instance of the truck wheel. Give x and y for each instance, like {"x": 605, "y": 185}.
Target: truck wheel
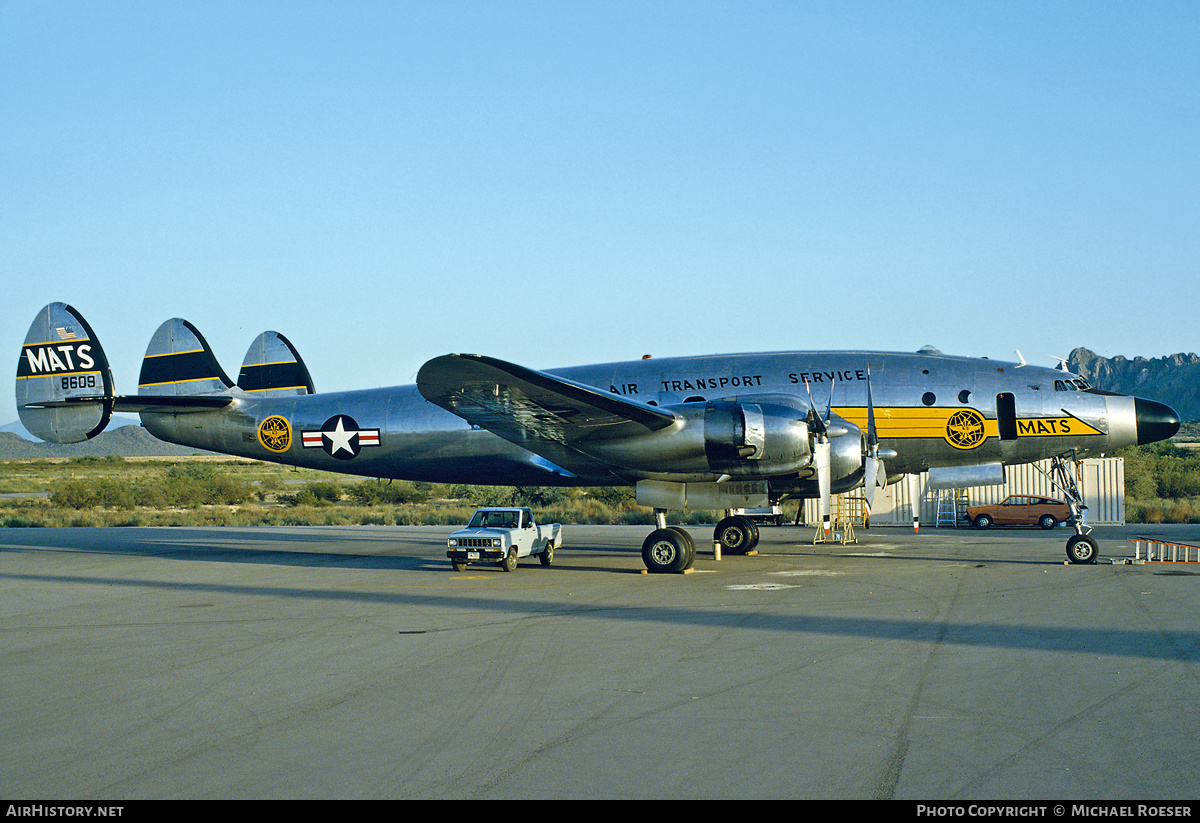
{"x": 547, "y": 555}
{"x": 509, "y": 563}
{"x": 458, "y": 567}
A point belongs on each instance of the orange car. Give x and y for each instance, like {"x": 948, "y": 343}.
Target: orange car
{"x": 1020, "y": 510}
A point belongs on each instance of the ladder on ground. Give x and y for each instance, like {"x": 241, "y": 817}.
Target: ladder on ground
{"x": 950, "y": 502}
{"x": 1163, "y": 551}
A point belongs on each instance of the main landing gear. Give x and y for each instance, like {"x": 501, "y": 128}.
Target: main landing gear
{"x": 1081, "y": 547}
{"x": 670, "y": 549}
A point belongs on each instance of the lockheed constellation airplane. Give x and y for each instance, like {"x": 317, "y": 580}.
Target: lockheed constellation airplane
{"x": 711, "y": 432}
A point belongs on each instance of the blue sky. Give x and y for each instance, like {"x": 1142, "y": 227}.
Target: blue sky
{"x": 564, "y": 182}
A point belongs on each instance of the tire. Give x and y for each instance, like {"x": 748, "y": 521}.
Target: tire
{"x": 1048, "y": 521}
{"x": 458, "y": 567}
{"x": 1082, "y": 549}
{"x": 665, "y": 552}
{"x": 547, "y": 555}
{"x": 509, "y": 564}
{"x": 983, "y": 521}
{"x": 735, "y": 535}
{"x": 689, "y": 543}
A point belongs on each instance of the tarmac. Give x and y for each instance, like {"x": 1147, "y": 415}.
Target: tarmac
{"x": 352, "y": 662}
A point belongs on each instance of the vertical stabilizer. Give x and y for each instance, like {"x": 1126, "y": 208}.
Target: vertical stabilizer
{"x": 64, "y": 384}
{"x": 273, "y": 367}
{"x": 179, "y": 363}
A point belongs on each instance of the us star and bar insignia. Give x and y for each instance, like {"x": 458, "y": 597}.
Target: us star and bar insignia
{"x": 340, "y": 437}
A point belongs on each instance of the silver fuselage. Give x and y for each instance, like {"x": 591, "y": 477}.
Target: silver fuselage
{"x": 1018, "y": 414}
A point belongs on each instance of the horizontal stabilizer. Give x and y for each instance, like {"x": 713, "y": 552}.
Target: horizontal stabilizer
{"x": 273, "y": 368}
{"x": 64, "y": 384}
{"x": 180, "y": 363}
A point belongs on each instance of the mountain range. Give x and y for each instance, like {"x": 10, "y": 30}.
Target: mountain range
{"x": 125, "y": 441}
{"x": 1174, "y": 379}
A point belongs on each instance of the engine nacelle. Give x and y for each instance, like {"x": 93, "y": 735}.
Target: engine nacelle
{"x": 846, "y": 457}
{"x": 718, "y": 437}
{"x": 755, "y": 438}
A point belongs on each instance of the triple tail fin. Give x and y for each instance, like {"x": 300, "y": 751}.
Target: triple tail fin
{"x": 273, "y": 368}
{"x": 65, "y": 387}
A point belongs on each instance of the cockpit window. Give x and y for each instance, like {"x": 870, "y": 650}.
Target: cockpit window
{"x": 1073, "y": 384}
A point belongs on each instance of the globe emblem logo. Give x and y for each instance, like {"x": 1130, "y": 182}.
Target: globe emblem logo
{"x": 275, "y": 434}
{"x": 964, "y": 429}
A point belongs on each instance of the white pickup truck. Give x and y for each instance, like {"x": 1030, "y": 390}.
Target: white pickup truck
{"x": 501, "y": 536}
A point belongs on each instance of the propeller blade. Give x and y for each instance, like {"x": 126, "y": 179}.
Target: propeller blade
{"x": 815, "y": 424}
{"x": 871, "y": 470}
{"x": 914, "y": 494}
{"x": 872, "y": 436}
{"x": 872, "y": 466}
{"x": 821, "y": 461}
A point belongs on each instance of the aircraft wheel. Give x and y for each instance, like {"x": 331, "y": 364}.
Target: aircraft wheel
{"x": 665, "y": 552}
{"x": 547, "y": 556}
{"x": 509, "y": 564}
{"x": 735, "y": 534}
{"x": 1048, "y": 521}
{"x": 1082, "y": 549}
{"x": 689, "y": 542}
{"x": 983, "y": 521}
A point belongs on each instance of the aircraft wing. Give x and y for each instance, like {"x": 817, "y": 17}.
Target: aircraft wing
{"x": 548, "y": 415}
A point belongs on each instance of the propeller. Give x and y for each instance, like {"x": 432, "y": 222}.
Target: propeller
{"x": 874, "y": 475}
{"x": 914, "y": 494}
{"x": 821, "y": 454}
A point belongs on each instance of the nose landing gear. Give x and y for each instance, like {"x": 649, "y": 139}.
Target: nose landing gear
{"x": 1081, "y": 547}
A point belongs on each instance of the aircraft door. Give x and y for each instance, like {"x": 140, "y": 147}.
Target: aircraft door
{"x": 1006, "y": 415}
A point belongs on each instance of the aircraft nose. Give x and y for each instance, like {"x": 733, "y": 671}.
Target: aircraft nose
{"x": 1155, "y": 421}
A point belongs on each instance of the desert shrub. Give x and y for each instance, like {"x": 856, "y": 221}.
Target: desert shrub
{"x": 86, "y": 494}
{"x": 376, "y": 493}
{"x": 198, "y": 484}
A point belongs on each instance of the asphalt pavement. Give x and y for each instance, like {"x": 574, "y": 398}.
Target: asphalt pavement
{"x": 352, "y": 662}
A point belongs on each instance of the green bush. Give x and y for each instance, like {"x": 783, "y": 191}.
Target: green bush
{"x": 86, "y": 494}
{"x": 379, "y": 493}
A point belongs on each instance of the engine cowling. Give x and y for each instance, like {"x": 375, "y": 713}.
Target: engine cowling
{"x": 722, "y": 437}
{"x": 846, "y": 455}
{"x": 755, "y": 438}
